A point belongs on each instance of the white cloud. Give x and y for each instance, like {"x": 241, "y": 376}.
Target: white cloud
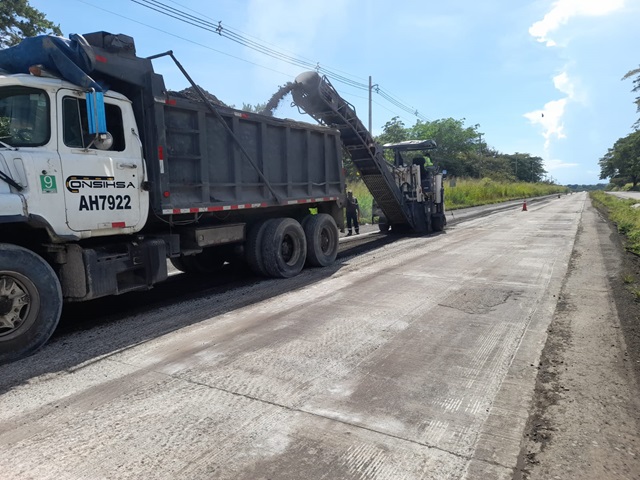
{"x": 562, "y": 83}
{"x": 563, "y": 10}
{"x": 551, "y": 165}
{"x": 550, "y": 116}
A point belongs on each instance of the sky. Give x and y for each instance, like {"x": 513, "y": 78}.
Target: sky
{"x": 540, "y": 77}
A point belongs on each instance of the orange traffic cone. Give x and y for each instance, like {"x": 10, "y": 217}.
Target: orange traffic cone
{"x": 524, "y": 205}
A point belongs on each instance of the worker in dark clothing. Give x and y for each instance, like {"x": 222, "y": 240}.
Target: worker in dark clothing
{"x": 353, "y": 213}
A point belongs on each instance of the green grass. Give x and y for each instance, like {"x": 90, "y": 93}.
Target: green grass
{"x": 467, "y": 193}
{"x": 471, "y": 193}
{"x": 635, "y": 292}
{"x": 623, "y": 215}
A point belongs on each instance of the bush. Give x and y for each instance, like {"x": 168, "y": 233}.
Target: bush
{"x": 622, "y": 213}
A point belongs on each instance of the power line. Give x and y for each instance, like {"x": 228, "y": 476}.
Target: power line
{"x": 258, "y": 39}
{"x": 284, "y": 74}
{"x": 231, "y": 34}
{"x": 184, "y": 38}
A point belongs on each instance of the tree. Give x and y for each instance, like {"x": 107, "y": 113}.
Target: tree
{"x": 18, "y": 20}
{"x": 462, "y": 152}
{"x": 621, "y": 163}
{"x": 257, "y": 108}
{"x": 525, "y": 167}
{"x": 636, "y": 88}
{"x": 452, "y": 137}
{"x": 393, "y": 131}
{"x": 457, "y": 145}
{"x": 495, "y": 165}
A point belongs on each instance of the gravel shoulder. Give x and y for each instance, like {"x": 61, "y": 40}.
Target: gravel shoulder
{"x": 584, "y": 422}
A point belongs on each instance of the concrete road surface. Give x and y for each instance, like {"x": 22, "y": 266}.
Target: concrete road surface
{"x": 414, "y": 360}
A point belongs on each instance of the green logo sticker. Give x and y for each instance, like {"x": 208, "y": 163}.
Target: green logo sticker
{"x": 48, "y": 184}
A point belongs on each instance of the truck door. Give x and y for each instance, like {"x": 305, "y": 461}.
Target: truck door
{"x": 101, "y": 187}
{"x": 28, "y": 153}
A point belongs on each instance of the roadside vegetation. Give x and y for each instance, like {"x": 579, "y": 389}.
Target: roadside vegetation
{"x": 621, "y": 163}
{"x": 19, "y": 20}
{"x": 473, "y": 192}
{"x": 625, "y": 217}
{"x": 470, "y": 192}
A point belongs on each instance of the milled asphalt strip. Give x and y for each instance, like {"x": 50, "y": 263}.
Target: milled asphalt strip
{"x": 313, "y": 414}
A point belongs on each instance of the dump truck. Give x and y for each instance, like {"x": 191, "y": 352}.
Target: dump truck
{"x": 105, "y": 176}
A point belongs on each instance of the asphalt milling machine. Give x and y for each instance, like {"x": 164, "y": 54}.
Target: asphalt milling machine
{"x": 407, "y": 195}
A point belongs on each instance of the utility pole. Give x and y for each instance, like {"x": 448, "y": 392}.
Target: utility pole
{"x": 370, "y": 89}
{"x": 479, "y": 154}
{"x": 531, "y": 171}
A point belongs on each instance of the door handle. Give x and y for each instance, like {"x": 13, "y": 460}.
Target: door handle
{"x": 127, "y": 165}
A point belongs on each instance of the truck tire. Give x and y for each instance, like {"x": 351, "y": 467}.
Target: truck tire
{"x": 30, "y": 302}
{"x": 254, "y": 246}
{"x": 284, "y": 248}
{"x": 321, "y": 233}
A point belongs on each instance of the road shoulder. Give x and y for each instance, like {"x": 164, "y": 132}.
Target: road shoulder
{"x": 584, "y": 421}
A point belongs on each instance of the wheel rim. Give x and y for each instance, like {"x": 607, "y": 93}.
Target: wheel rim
{"x": 287, "y": 249}
{"x": 326, "y": 241}
{"x": 19, "y": 303}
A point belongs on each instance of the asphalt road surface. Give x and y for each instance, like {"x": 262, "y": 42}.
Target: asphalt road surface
{"x": 414, "y": 359}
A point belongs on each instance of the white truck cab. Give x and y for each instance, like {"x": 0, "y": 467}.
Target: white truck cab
{"x": 79, "y": 190}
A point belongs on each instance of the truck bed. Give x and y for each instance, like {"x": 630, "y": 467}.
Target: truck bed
{"x": 202, "y": 167}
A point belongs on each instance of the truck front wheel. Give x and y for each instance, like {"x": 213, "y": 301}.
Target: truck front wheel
{"x": 30, "y": 302}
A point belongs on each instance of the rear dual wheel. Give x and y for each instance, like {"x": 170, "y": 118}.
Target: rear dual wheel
{"x": 284, "y": 248}
{"x": 253, "y": 248}
{"x": 322, "y": 237}
{"x": 276, "y": 248}
{"x": 280, "y": 247}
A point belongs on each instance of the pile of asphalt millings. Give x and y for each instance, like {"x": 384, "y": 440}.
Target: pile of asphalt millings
{"x": 191, "y": 94}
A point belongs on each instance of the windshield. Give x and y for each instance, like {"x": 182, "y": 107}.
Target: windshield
{"x": 24, "y": 116}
